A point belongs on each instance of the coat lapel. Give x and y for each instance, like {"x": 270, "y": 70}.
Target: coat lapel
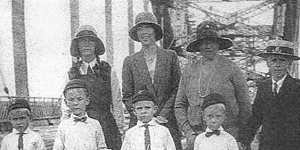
{"x": 285, "y": 86}
{"x": 158, "y": 69}
{"x": 142, "y": 68}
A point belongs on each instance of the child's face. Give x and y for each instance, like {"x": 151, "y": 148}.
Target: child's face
{"x": 76, "y": 100}
{"x": 20, "y": 118}
{"x": 214, "y": 116}
{"x": 144, "y": 110}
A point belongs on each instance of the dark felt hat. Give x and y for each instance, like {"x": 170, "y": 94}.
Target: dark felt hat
{"x": 208, "y": 30}
{"x": 279, "y": 47}
{"x": 89, "y": 32}
{"x": 212, "y": 99}
{"x": 19, "y": 103}
{"x": 143, "y": 95}
{"x": 76, "y": 83}
{"x": 145, "y": 18}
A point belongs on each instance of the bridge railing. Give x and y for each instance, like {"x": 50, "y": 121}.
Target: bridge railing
{"x": 42, "y": 107}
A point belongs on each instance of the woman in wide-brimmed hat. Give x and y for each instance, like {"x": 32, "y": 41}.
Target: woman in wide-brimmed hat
{"x": 277, "y": 102}
{"x": 211, "y": 73}
{"x": 86, "y": 48}
{"x": 152, "y": 67}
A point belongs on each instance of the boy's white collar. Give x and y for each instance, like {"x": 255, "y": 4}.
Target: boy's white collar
{"x": 209, "y": 130}
{"x": 152, "y": 122}
{"x": 26, "y": 131}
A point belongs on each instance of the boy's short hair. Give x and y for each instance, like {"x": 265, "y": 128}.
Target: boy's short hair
{"x": 19, "y": 103}
{"x": 143, "y": 95}
{"x": 212, "y": 99}
{"x": 76, "y": 83}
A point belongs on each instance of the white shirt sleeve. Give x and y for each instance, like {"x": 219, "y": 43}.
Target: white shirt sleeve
{"x": 197, "y": 143}
{"x": 232, "y": 144}
{"x": 4, "y": 144}
{"x": 40, "y": 143}
{"x": 100, "y": 139}
{"x": 169, "y": 141}
{"x": 126, "y": 143}
{"x": 59, "y": 139}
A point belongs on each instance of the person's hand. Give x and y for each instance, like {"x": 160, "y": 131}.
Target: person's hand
{"x": 161, "y": 120}
{"x": 243, "y": 146}
{"x": 190, "y": 139}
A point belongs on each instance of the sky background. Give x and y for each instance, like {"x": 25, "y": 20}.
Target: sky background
{"x": 48, "y": 37}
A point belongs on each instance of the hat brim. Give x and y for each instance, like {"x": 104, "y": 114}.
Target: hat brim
{"x": 99, "y": 49}
{"x": 156, "y": 27}
{"x": 224, "y": 43}
{"x": 267, "y": 54}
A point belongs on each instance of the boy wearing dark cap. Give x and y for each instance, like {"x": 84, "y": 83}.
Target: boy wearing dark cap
{"x": 22, "y": 137}
{"x": 147, "y": 134}
{"x": 214, "y": 137}
{"x": 79, "y": 132}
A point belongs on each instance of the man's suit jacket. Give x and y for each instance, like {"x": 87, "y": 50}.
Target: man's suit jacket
{"x": 278, "y": 114}
{"x": 135, "y": 76}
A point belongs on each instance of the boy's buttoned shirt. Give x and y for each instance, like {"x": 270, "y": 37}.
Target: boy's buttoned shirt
{"x": 79, "y": 135}
{"x": 160, "y": 137}
{"x": 31, "y": 141}
{"x": 224, "y": 141}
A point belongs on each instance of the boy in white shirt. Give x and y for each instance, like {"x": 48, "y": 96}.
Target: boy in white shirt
{"x": 147, "y": 134}
{"x": 22, "y": 137}
{"x": 214, "y": 137}
{"x": 79, "y": 132}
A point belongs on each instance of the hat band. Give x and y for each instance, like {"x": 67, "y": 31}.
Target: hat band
{"x": 86, "y": 33}
{"x": 279, "y": 49}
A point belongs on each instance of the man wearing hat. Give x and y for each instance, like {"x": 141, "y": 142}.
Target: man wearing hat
{"x": 210, "y": 73}
{"x": 277, "y": 103}
{"x": 155, "y": 68}
{"x": 86, "y": 48}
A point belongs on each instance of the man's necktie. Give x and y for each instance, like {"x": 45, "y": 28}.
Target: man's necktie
{"x": 147, "y": 137}
{"x": 89, "y": 70}
{"x": 20, "y": 141}
{"x": 275, "y": 88}
{"x": 81, "y": 119}
{"x": 216, "y": 132}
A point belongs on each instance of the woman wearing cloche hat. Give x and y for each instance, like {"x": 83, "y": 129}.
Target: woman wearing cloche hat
{"x": 153, "y": 67}
{"x": 211, "y": 73}
{"x": 86, "y": 48}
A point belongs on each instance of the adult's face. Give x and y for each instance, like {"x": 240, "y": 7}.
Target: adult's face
{"x": 87, "y": 49}
{"x": 278, "y": 66}
{"x": 146, "y": 35}
{"x": 209, "y": 49}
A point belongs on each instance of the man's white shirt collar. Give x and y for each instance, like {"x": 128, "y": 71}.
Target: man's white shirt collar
{"x": 279, "y": 83}
{"x": 85, "y": 66}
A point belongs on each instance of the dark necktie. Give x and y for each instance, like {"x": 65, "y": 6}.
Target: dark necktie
{"x": 89, "y": 70}
{"x": 216, "y": 132}
{"x": 147, "y": 137}
{"x": 20, "y": 141}
{"x": 81, "y": 119}
{"x": 275, "y": 89}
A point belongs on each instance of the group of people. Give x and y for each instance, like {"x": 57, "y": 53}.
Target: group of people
{"x": 207, "y": 101}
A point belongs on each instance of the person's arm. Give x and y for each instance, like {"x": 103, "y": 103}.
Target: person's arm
{"x": 169, "y": 141}
{"x": 127, "y": 84}
{"x": 100, "y": 139}
{"x": 241, "y": 92}
{"x": 175, "y": 74}
{"x": 232, "y": 144}
{"x": 181, "y": 106}
{"x": 4, "y": 144}
{"x": 247, "y": 132}
{"x": 126, "y": 143}
{"x": 59, "y": 139}
{"x": 40, "y": 143}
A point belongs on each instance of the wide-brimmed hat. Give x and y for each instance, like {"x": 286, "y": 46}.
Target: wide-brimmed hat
{"x": 90, "y": 32}
{"x": 145, "y": 18}
{"x": 279, "y": 47}
{"x": 208, "y": 30}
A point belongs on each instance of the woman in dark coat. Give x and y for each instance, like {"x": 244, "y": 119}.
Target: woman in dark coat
{"x": 86, "y": 48}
